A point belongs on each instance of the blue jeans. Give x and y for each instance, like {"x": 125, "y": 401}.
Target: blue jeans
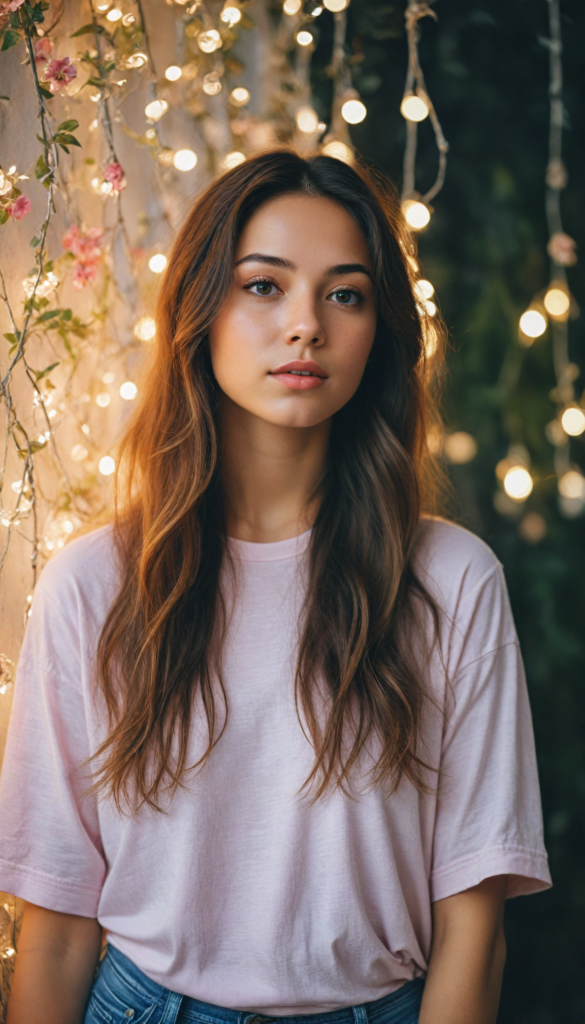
{"x": 122, "y": 994}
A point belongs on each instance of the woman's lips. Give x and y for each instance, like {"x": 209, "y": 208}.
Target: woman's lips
{"x": 299, "y": 383}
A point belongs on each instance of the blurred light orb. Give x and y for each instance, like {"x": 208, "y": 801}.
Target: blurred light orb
{"x": 128, "y": 390}
{"x": 424, "y": 290}
{"x": 108, "y": 377}
{"x": 353, "y": 111}
{"x": 145, "y": 328}
{"x": 232, "y": 160}
{"x": 136, "y": 60}
{"x": 304, "y": 38}
{"x": 173, "y": 73}
{"x": 239, "y": 96}
{"x": 518, "y": 483}
{"x": 158, "y": 263}
{"x": 573, "y": 421}
{"x": 156, "y": 109}
{"x": 532, "y": 323}
{"x": 212, "y": 84}
{"x": 106, "y": 187}
{"x": 414, "y": 108}
{"x": 106, "y": 465}
{"x": 114, "y": 15}
{"x": 231, "y": 15}
{"x": 532, "y": 527}
{"x": 307, "y": 120}
{"x": 460, "y": 447}
{"x": 103, "y": 399}
{"x": 316, "y": 12}
{"x": 557, "y": 302}
{"x": 430, "y": 337}
{"x": 338, "y": 150}
{"x": 335, "y": 6}
{"x": 209, "y": 41}
{"x": 101, "y": 7}
{"x": 292, "y": 6}
{"x": 430, "y": 307}
{"x": 185, "y": 160}
{"x": 79, "y": 453}
{"x": 572, "y": 484}
{"x": 128, "y": 20}
{"x": 416, "y": 214}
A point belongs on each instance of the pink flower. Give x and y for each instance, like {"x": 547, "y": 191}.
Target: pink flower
{"x": 85, "y": 245}
{"x": 59, "y": 73}
{"x": 11, "y": 5}
{"x": 83, "y": 273}
{"x": 43, "y": 50}
{"x": 19, "y": 208}
{"x": 115, "y": 175}
{"x": 561, "y": 249}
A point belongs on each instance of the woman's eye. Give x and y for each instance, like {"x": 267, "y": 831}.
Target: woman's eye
{"x": 345, "y": 296}
{"x": 261, "y": 287}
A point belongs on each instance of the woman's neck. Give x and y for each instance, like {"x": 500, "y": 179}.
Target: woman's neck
{"x": 269, "y": 475}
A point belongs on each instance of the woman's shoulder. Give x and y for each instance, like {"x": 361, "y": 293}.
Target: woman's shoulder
{"x": 452, "y": 560}
{"x": 87, "y": 567}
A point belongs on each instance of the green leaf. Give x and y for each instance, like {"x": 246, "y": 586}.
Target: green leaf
{"x": 3, "y": 216}
{"x": 65, "y": 137}
{"x": 41, "y": 167}
{"x": 11, "y": 38}
{"x": 48, "y": 96}
{"x": 49, "y": 266}
{"x": 34, "y": 242}
{"x": 48, "y": 315}
{"x": 4, "y": 97}
{"x": 39, "y": 374}
{"x": 86, "y": 30}
{"x": 11, "y": 338}
{"x": 63, "y": 147}
{"x": 66, "y": 314}
{"x": 97, "y": 82}
{"x": 68, "y": 126}
{"x": 36, "y": 14}
{"x": 37, "y": 446}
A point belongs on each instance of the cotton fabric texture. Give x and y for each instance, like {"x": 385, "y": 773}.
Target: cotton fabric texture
{"x": 241, "y": 894}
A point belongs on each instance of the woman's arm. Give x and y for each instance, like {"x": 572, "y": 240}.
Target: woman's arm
{"x": 55, "y": 967}
{"x": 467, "y": 956}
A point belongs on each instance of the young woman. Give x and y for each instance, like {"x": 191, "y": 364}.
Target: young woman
{"x": 271, "y": 730}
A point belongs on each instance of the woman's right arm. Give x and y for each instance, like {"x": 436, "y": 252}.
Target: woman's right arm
{"x": 55, "y": 967}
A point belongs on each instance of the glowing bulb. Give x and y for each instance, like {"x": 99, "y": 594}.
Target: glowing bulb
{"x": 106, "y": 465}
{"x": 572, "y": 484}
{"x": 173, "y": 73}
{"x": 106, "y": 187}
{"x": 414, "y": 108}
{"x": 212, "y": 84}
{"x": 95, "y": 183}
{"x": 292, "y": 6}
{"x": 353, "y": 111}
{"x": 532, "y": 323}
{"x": 209, "y": 41}
{"x": 136, "y": 60}
{"x": 518, "y": 483}
{"x": 307, "y": 120}
{"x": 128, "y": 20}
{"x": 145, "y": 329}
{"x": 573, "y": 421}
{"x": 108, "y": 377}
{"x": 232, "y": 160}
{"x": 156, "y": 109}
{"x": 239, "y": 96}
{"x": 429, "y": 307}
{"x": 231, "y": 15}
{"x": 128, "y": 390}
{"x": 335, "y": 6}
{"x": 114, "y": 15}
{"x": 417, "y": 215}
{"x": 103, "y": 399}
{"x": 157, "y": 263}
{"x": 424, "y": 290}
{"x": 185, "y": 160}
{"x": 557, "y": 302}
{"x": 102, "y": 7}
{"x": 304, "y": 38}
{"x": 338, "y": 150}
{"x": 79, "y": 453}
{"x": 460, "y": 447}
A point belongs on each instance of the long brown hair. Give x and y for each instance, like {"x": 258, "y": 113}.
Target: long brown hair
{"x": 158, "y": 651}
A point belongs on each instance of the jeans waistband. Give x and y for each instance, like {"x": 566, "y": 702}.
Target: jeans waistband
{"x": 208, "y": 1013}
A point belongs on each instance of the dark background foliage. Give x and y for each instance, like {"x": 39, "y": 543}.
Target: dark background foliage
{"x": 485, "y": 251}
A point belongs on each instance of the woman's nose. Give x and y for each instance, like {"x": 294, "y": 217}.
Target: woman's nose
{"x": 304, "y": 324}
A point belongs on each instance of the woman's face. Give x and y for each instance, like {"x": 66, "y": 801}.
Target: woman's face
{"x": 292, "y": 340}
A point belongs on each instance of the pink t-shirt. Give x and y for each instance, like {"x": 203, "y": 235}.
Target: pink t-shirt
{"x": 241, "y": 894}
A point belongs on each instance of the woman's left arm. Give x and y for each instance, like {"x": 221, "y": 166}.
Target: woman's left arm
{"x": 467, "y": 956}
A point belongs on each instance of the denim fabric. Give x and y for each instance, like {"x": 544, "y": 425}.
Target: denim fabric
{"x": 122, "y": 994}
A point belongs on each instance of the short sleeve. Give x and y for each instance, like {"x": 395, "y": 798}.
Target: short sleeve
{"x": 489, "y": 819}
{"x": 50, "y": 850}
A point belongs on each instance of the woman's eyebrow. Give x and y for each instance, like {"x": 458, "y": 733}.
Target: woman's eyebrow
{"x": 277, "y": 261}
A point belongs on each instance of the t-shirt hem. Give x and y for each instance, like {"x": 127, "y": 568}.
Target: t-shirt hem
{"x": 527, "y": 869}
{"x": 48, "y": 891}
